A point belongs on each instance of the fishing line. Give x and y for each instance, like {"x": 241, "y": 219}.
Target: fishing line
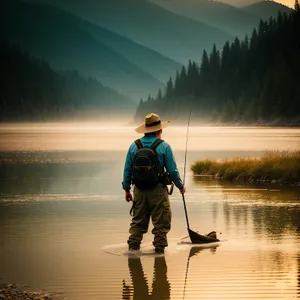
{"x": 186, "y": 144}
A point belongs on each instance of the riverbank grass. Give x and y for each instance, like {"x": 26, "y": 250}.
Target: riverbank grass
{"x": 273, "y": 166}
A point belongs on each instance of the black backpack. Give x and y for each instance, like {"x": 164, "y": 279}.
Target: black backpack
{"x": 146, "y": 169}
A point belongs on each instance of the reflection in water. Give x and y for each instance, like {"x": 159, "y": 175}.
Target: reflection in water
{"x": 193, "y": 252}
{"x": 160, "y": 286}
{"x": 298, "y": 278}
{"x": 269, "y": 211}
{"x": 197, "y": 249}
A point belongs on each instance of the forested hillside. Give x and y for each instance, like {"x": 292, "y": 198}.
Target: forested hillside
{"x": 31, "y": 90}
{"x": 252, "y": 80}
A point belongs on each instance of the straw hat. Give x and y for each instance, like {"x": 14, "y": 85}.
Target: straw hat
{"x": 152, "y": 124}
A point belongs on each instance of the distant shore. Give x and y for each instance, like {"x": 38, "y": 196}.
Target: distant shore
{"x": 128, "y": 120}
{"x": 207, "y": 122}
{"x": 275, "y": 167}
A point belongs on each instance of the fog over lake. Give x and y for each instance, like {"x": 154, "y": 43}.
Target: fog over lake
{"x": 64, "y": 223}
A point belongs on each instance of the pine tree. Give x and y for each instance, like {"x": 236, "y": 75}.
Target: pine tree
{"x": 159, "y": 96}
{"x": 215, "y": 64}
{"x": 297, "y": 6}
{"x": 183, "y": 85}
{"x": 169, "y": 88}
{"x": 204, "y": 74}
{"x": 192, "y": 78}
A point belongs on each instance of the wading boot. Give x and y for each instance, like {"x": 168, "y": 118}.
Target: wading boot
{"x": 160, "y": 250}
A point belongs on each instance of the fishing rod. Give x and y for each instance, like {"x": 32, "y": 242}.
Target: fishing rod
{"x": 195, "y": 237}
{"x": 184, "y": 169}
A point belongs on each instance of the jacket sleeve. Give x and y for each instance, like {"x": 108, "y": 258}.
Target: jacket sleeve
{"x": 172, "y": 168}
{"x": 128, "y": 169}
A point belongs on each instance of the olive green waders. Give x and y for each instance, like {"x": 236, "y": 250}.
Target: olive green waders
{"x": 155, "y": 203}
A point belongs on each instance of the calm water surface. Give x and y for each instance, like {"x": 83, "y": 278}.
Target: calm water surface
{"x": 64, "y": 223}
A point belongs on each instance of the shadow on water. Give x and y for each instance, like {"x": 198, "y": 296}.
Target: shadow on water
{"x": 160, "y": 287}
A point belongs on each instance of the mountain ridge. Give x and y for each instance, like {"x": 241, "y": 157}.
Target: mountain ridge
{"x": 151, "y": 61}
{"x": 233, "y": 20}
{"x": 170, "y": 34}
{"x": 237, "y": 21}
{"x": 67, "y": 47}
{"x": 265, "y": 9}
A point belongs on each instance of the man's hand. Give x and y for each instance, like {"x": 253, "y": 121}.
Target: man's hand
{"x": 182, "y": 190}
{"x": 128, "y": 196}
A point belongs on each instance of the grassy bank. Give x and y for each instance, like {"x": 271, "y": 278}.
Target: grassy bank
{"x": 275, "y": 167}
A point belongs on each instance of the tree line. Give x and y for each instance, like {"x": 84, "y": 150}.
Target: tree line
{"x": 253, "y": 79}
{"x": 31, "y": 90}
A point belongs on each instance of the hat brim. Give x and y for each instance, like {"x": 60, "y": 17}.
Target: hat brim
{"x": 144, "y": 129}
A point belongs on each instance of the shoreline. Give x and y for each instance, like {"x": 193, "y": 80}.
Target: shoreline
{"x": 258, "y": 182}
{"x": 273, "y": 167}
{"x": 13, "y": 291}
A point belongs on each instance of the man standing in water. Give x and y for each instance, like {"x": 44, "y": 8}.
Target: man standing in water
{"x": 151, "y": 196}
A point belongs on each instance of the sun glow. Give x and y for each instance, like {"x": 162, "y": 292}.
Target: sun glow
{"x": 289, "y": 3}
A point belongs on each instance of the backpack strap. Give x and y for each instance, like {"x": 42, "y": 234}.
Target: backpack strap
{"x": 139, "y": 144}
{"x": 156, "y": 143}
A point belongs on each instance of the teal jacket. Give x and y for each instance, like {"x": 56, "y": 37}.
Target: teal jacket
{"x": 165, "y": 158}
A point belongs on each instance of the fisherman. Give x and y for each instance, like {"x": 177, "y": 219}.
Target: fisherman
{"x": 151, "y": 200}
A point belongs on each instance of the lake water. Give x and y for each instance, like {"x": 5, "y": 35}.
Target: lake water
{"x": 64, "y": 223}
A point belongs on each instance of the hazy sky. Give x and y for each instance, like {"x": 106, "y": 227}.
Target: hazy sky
{"x": 289, "y": 3}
